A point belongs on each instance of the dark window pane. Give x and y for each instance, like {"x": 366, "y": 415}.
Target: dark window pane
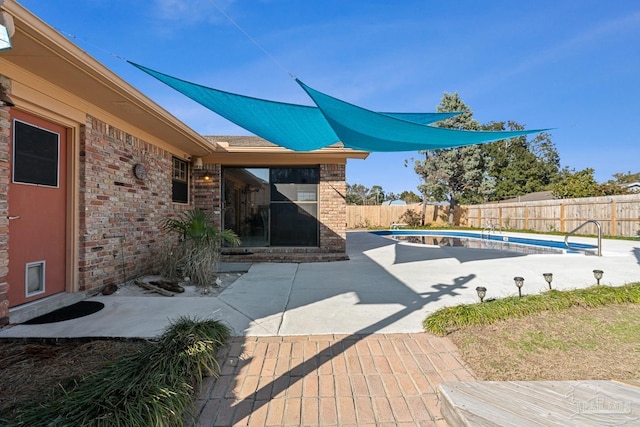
{"x": 294, "y": 184}
{"x": 180, "y": 181}
{"x": 180, "y": 192}
{"x": 35, "y": 154}
{"x": 295, "y": 175}
{"x": 294, "y": 192}
{"x": 294, "y": 224}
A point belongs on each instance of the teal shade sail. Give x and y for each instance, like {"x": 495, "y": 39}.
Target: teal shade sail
{"x": 307, "y": 128}
{"x": 363, "y": 129}
{"x": 5, "y": 38}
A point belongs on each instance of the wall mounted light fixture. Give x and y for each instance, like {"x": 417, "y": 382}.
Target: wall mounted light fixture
{"x": 5, "y": 100}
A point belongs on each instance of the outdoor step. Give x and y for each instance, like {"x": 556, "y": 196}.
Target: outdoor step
{"x": 250, "y": 256}
{"x": 539, "y": 403}
{"x": 46, "y": 305}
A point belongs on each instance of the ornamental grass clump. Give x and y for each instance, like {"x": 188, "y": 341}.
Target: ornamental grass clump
{"x": 198, "y": 250}
{"x": 449, "y": 319}
{"x": 152, "y": 387}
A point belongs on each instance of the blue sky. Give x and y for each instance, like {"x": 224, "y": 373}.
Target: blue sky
{"x": 564, "y": 64}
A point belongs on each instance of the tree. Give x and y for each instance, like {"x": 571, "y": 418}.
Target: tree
{"x": 456, "y": 174}
{"x": 572, "y": 184}
{"x": 390, "y": 196}
{"x": 410, "y": 197}
{"x": 619, "y": 185}
{"x": 520, "y": 165}
{"x": 626, "y": 178}
{"x": 376, "y": 194}
{"x": 357, "y": 194}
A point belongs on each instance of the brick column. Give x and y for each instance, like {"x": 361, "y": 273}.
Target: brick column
{"x": 207, "y": 192}
{"x": 333, "y": 208}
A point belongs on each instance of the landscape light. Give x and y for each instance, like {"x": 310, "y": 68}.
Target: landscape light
{"x": 549, "y": 278}
{"x": 482, "y": 292}
{"x": 598, "y": 275}
{"x": 519, "y": 282}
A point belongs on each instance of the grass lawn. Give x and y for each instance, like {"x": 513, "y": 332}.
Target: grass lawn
{"x": 572, "y": 335}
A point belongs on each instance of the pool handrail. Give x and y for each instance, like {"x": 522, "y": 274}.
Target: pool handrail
{"x": 491, "y": 227}
{"x": 592, "y": 221}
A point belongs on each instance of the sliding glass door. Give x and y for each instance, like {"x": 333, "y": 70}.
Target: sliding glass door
{"x": 272, "y": 206}
{"x": 246, "y": 204}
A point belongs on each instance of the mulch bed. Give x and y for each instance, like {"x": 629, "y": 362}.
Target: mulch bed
{"x": 30, "y": 370}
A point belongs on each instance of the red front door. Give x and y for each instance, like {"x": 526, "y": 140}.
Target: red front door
{"x": 37, "y": 209}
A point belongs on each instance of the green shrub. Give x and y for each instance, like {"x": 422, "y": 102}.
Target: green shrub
{"x": 411, "y": 218}
{"x": 153, "y": 387}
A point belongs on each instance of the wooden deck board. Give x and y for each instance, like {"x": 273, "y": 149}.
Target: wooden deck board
{"x": 634, "y": 383}
{"x": 540, "y": 403}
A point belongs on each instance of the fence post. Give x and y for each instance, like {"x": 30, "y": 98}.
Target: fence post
{"x": 614, "y": 226}
{"x": 563, "y": 219}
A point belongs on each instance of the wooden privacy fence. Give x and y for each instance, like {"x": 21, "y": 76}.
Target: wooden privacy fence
{"x": 383, "y": 216}
{"x": 618, "y": 215}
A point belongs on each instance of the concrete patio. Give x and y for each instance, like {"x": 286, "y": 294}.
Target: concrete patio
{"x": 342, "y": 344}
{"x": 385, "y": 287}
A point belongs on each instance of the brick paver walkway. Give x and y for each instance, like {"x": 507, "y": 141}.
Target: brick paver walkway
{"x": 331, "y": 380}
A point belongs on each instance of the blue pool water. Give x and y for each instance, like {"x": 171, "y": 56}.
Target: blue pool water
{"x": 510, "y": 241}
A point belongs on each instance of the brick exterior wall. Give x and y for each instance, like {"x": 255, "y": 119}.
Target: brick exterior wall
{"x": 207, "y": 193}
{"x": 114, "y": 203}
{"x": 5, "y": 130}
{"x": 120, "y": 214}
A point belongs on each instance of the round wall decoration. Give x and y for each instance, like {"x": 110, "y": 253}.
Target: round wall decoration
{"x": 140, "y": 171}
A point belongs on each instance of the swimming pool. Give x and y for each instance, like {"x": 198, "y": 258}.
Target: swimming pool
{"x": 488, "y": 241}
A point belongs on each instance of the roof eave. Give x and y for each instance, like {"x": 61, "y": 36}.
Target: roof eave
{"x": 100, "y": 77}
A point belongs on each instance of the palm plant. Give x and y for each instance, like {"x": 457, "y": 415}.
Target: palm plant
{"x": 198, "y": 251}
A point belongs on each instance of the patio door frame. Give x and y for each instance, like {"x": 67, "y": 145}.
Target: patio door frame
{"x": 280, "y": 202}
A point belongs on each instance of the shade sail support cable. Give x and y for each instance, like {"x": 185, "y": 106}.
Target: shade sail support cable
{"x": 254, "y": 41}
